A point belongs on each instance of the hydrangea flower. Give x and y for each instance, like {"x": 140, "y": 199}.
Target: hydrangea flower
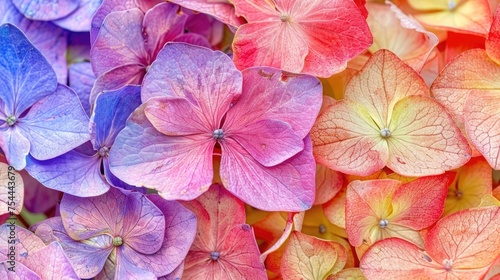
{"x": 196, "y": 101}
{"x": 38, "y": 116}
{"x": 121, "y": 234}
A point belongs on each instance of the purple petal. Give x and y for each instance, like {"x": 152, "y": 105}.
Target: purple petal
{"x": 87, "y": 258}
{"x": 81, "y": 79}
{"x": 269, "y": 93}
{"x": 221, "y": 10}
{"x": 15, "y": 147}
{"x": 174, "y": 275}
{"x": 107, "y": 7}
{"x": 38, "y": 198}
{"x": 178, "y": 167}
{"x": 46, "y": 10}
{"x": 288, "y": 186}
{"x": 74, "y": 173}
{"x": 270, "y": 142}
{"x": 78, "y": 47}
{"x": 146, "y": 5}
{"x": 207, "y": 79}
{"x": 112, "y": 108}
{"x": 21, "y": 272}
{"x": 49, "y": 39}
{"x": 126, "y": 269}
{"x": 51, "y": 262}
{"x": 162, "y": 24}
{"x": 79, "y": 20}
{"x": 193, "y": 39}
{"x": 56, "y": 124}
{"x": 26, "y": 75}
{"x": 114, "y": 181}
{"x": 120, "y": 42}
{"x": 180, "y": 231}
{"x": 26, "y": 241}
{"x": 207, "y": 26}
{"x": 116, "y": 78}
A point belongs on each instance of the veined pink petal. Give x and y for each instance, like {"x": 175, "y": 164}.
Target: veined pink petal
{"x": 493, "y": 41}
{"x": 288, "y": 186}
{"x": 220, "y": 9}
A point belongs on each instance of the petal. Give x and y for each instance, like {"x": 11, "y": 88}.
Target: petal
{"x": 87, "y": 257}
{"x": 493, "y": 40}
{"x": 269, "y": 142}
{"x": 482, "y": 116}
{"x": 367, "y": 202}
{"x": 55, "y": 124}
{"x": 111, "y": 110}
{"x": 51, "y": 262}
{"x": 276, "y": 95}
{"x": 74, "y": 173}
{"x": 221, "y": 10}
{"x": 205, "y": 78}
{"x": 104, "y": 9}
{"x": 162, "y": 24}
{"x": 21, "y": 272}
{"x": 81, "y": 79}
{"x": 193, "y": 39}
{"x": 120, "y": 42}
{"x": 25, "y": 241}
{"x": 176, "y": 117}
{"x": 469, "y": 239}
{"x": 114, "y": 181}
{"x": 288, "y": 186}
{"x": 255, "y": 10}
{"x": 328, "y": 184}
{"x": 42, "y": 10}
{"x": 26, "y": 75}
{"x": 180, "y": 231}
{"x": 79, "y": 20}
{"x": 15, "y": 147}
{"x": 394, "y": 258}
{"x": 125, "y": 269}
{"x": 424, "y": 139}
{"x": 472, "y": 70}
{"x": 12, "y": 192}
{"x": 178, "y": 167}
{"x": 335, "y": 209}
{"x": 346, "y": 138}
{"x": 308, "y": 257}
{"x": 419, "y": 203}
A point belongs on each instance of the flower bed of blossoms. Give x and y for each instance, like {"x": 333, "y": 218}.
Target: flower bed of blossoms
{"x": 250, "y": 139}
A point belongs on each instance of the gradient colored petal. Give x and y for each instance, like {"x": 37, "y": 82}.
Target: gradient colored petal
{"x": 493, "y": 40}
{"x": 395, "y": 31}
{"x": 106, "y": 7}
{"x": 55, "y": 124}
{"x": 46, "y": 10}
{"x": 308, "y": 257}
{"x": 81, "y": 79}
{"x": 120, "y": 42}
{"x": 467, "y": 239}
{"x": 472, "y": 70}
{"x": 25, "y": 244}
{"x": 178, "y": 167}
{"x": 15, "y": 146}
{"x": 335, "y": 209}
{"x": 471, "y": 16}
{"x": 162, "y": 24}
{"x": 482, "y": 116}
{"x": 472, "y": 182}
{"x": 424, "y": 139}
{"x": 328, "y": 184}
{"x": 180, "y": 231}
{"x": 26, "y": 75}
{"x": 367, "y": 204}
{"x": 12, "y": 191}
{"x": 111, "y": 110}
{"x": 207, "y": 79}
{"x": 125, "y": 269}
{"x": 348, "y": 273}
{"x": 297, "y": 36}
{"x": 74, "y": 173}
{"x": 51, "y": 262}
{"x": 288, "y": 186}
{"x": 21, "y": 272}
{"x": 273, "y": 94}
{"x": 80, "y": 19}
{"x": 220, "y": 9}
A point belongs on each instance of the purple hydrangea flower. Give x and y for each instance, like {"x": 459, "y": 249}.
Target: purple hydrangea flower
{"x": 38, "y": 116}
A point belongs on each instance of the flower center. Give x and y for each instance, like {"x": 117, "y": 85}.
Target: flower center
{"x": 383, "y": 223}
{"x": 11, "y": 120}
{"x": 458, "y": 194}
{"x": 214, "y": 255}
{"x": 322, "y": 229}
{"x": 218, "y": 134}
{"x": 452, "y": 5}
{"x": 117, "y": 241}
{"x": 284, "y": 18}
{"x": 447, "y": 264}
{"x": 103, "y": 151}
{"x": 385, "y": 132}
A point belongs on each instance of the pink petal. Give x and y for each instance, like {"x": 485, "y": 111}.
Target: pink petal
{"x": 51, "y": 262}
{"x": 220, "y": 9}
{"x": 288, "y": 186}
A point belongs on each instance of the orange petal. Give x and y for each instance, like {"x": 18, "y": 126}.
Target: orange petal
{"x": 348, "y": 273}
{"x": 472, "y": 16}
{"x": 482, "y": 119}
{"x": 472, "y": 182}
{"x": 328, "y": 184}
{"x": 308, "y": 257}
{"x": 335, "y": 209}
{"x": 424, "y": 139}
